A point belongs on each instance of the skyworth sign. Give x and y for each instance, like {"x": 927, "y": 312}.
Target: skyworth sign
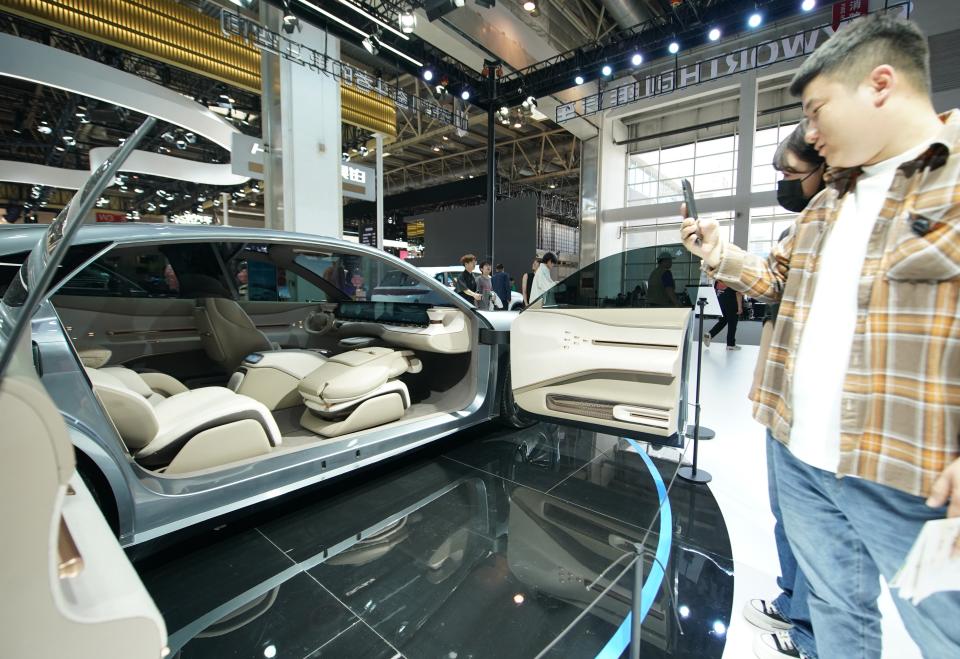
{"x": 757, "y": 56}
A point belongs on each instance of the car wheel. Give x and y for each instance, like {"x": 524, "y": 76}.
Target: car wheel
{"x": 510, "y": 413}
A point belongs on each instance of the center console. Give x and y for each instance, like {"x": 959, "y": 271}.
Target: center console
{"x": 272, "y": 377}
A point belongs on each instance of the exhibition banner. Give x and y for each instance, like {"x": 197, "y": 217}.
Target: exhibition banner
{"x": 233, "y": 24}
{"x": 721, "y": 66}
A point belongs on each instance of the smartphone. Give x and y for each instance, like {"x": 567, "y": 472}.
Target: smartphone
{"x": 691, "y": 203}
{"x": 689, "y": 200}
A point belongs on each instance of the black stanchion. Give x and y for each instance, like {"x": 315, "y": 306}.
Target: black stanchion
{"x": 635, "y": 622}
{"x": 691, "y": 474}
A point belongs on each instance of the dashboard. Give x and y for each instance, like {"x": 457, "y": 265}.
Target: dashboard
{"x": 403, "y": 314}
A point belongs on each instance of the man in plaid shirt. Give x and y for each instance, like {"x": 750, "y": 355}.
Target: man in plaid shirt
{"x": 862, "y": 383}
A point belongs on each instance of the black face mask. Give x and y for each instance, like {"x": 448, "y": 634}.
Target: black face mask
{"x": 790, "y": 193}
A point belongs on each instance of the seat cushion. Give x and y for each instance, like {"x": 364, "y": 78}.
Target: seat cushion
{"x": 184, "y": 415}
{"x": 352, "y": 375}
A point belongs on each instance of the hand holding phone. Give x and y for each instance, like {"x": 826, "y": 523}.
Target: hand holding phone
{"x": 700, "y": 237}
{"x": 690, "y": 206}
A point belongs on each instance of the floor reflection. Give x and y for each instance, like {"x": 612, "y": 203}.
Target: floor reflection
{"x": 487, "y": 550}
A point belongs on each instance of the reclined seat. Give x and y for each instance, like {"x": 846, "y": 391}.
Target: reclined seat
{"x": 191, "y": 430}
{"x": 227, "y": 333}
{"x": 357, "y": 390}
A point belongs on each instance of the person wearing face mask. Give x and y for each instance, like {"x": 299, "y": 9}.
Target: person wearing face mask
{"x": 787, "y": 616}
{"x": 861, "y": 387}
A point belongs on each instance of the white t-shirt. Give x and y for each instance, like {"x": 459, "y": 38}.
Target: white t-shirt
{"x": 542, "y": 282}
{"x": 824, "y": 351}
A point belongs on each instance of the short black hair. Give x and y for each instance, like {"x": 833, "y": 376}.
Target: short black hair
{"x": 499, "y": 267}
{"x": 796, "y": 143}
{"x": 483, "y": 263}
{"x": 549, "y": 257}
{"x": 857, "y": 49}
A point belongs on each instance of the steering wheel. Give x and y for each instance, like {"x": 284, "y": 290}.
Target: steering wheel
{"x": 318, "y": 322}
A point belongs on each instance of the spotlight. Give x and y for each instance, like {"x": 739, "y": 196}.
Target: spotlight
{"x": 190, "y": 138}
{"x": 607, "y": 70}
{"x": 290, "y": 22}
{"x": 345, "y": 157}
{"x": 465, "y": 94}
{"x": 428, "y": 74}
{"x": 674, "y": 48}
{"x": 181, "y": 144}
{"x": 517, "y": 124}
{"x": 168, "y": 137}
{"x": 714, "y": 34}
{"x": 529, "y": 5}
{"x": 755, "y": 20}
{"x": 531, "y": 102}
{"x": 44, "y": 128}
{"x": 369, "y": 46}
{"x": 808, "y": 5}
{"x": 408, "y": 22}
{"x": 504, "y": 110}
{"x": 69, "y": 140}
{"x": 363, "y": 151}
{"x": 440, "y": 89}
{"x": 138, "y": 190}
{"x": 445, "y": 139}
{"x": 436, "y": 149}
{"x": 578, "y": 79}
{"x": 637, "y": 59}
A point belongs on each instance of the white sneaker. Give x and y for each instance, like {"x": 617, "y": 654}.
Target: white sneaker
{"x": 764, "y": 615}
{"x": 733, "y": 347}
{"x": 776, "y": 646}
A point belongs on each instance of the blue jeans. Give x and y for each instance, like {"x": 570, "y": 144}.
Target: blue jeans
{"x": 845, "y": 533}
{"x": 792, "y": 601}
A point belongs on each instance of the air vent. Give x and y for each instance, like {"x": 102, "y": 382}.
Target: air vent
{"x": 945, "y": 60}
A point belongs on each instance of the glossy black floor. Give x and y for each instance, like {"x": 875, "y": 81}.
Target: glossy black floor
{"x": 482, "y": 546}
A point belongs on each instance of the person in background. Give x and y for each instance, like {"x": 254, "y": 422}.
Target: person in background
{"x": 543, "y": 280}
{"x": 861, "y": 384}
{"x": 526, "y": 282}
{"x": 485, "y": 287}
{"x": 501, "y": 286}
{"x": 661, "y": 289}
{"x": 785, "y": 619}
{"x": 731, "y": 306}
{"x": 466, "y": 283}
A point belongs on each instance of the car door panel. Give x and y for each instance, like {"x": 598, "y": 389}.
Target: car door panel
{"x": 623, "y": 369}
{"x": 131, "y": 328}
{"x": 282, "y": 322}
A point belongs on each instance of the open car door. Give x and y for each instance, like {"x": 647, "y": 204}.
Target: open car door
{"x": 68, "y": 588}
{"x": 590, "y": 352}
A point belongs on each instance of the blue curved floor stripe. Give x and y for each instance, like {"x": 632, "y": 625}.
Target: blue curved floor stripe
{"x": 621, "y": 638}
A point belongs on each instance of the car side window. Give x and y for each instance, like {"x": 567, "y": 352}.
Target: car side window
{"x": 262, "y": 281}
{"x": 127, "y": 272}
{"x": 9, "y": 267}
{"x": 624, "y": 279}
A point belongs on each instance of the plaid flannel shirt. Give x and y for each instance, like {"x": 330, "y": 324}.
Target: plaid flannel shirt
{"x": 900, "y": 412}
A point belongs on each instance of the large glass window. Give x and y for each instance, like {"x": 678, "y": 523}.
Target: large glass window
{"x": 151, "y": 271}
{"x": 766, "y": 226}
{"x": 654, "y": 177}
{"x": 765, "y": 145}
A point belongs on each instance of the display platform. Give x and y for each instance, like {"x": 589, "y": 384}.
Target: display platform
{"x": 483, "y": 546}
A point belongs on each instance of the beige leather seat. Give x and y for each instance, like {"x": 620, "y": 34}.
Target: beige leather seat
{"x": 188, "y": 431}
{"x": 227, "y": 333}
{"x": 357, "y": 390}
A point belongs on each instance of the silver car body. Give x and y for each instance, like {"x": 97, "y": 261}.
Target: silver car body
{"x": 148, "y": 504}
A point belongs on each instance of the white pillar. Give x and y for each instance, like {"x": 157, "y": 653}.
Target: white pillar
{"x": 379, "y": 139}
{"x": 225, "y": 203}
{"x": 310, "y": 109}
{"x": 746, "y": 130}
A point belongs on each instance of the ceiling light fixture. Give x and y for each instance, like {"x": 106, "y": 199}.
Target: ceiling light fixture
{"x": 714, "y": 34}
{"x": 607, "y": 70}
{"x": 637, "y": 59}
{"x": 529, "y": 5}
{"x": 674, "y": 48}
{"x": 428, "y": 74}
{"x": 408, "y": 22}
{"x": 373, "y": 18}
{"x": 415, "y": 62}
{"x": 333, "y": 17}
{"x": 579, "y": 79}
{"x": 755, "y": 20}
{"x": 465, "y": 94}
{"x": 808, "y": 5}
{"x": 44, "y": 128}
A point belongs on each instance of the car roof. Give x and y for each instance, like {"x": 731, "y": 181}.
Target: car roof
{"x": 24, "y": 237}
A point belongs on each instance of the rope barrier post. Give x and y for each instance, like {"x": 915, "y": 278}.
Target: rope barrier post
{"x": 636, "y": 623}
{"x": 692, "y": 474}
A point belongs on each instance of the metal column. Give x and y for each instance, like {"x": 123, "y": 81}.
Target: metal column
{"x": 491, "y": 67}
{"x": 379, "y": 140}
